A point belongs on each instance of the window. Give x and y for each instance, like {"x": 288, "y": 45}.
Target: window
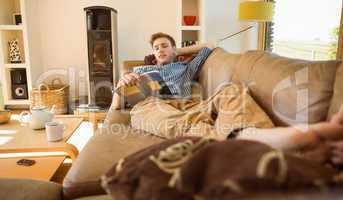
{"x": 305, "y": 29}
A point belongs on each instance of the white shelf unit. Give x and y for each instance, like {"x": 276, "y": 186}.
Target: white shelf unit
{"x": 9, "y": 31}
{"x": 11, "y": 27}
{"x": 190, "y": 32}
{"x": 190, "y": 28}
{"x": 18, "y": 102}
{"x": 15, "y": 66}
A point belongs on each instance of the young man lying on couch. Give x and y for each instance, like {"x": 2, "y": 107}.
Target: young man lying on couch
{"x": 230, "y": 113}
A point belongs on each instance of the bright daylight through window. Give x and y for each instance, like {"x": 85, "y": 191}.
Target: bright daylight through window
{"x": 305, "y": 29}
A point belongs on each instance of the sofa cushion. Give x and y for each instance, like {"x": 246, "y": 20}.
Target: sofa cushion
{"x": 184, "y": 167}
{"x": 299, "y": 193}
{"x": 96, "y": 197}
{"x": 151, "y": 60}
{"x": 337, "y": 99}
{"x": 313, "y": 193}
{"x": 106, "y": 147}
{"x": 217, "y": 70}
{"x": 115, "y": 116}
{"x": 291, "y": 91}
{"x": 25, "y": 189}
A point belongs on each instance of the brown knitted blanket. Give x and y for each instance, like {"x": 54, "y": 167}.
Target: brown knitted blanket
{"x": 198, "y": 168}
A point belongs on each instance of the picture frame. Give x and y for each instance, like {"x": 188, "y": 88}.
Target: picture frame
{"x": 17, "y": 19}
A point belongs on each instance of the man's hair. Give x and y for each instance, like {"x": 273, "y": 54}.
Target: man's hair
{"x": 162, "y": 35}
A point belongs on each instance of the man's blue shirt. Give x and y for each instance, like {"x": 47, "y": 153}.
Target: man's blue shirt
{"x": 179, "y": 75}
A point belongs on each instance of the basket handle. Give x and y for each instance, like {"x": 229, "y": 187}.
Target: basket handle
{"x": 56, "y": 79}
{"x": 43, "y": 85}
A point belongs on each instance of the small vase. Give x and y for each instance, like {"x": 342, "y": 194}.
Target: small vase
{"x": 189, "y": 20}
{"x": 14, "y": 53}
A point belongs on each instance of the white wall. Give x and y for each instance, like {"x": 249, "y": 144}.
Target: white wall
{"x": 34, "y": 39}
{"x": 61, "y": 41}
{"x": 221, "y": 20}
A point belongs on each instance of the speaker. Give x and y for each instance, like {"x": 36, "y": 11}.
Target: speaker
{"x": 18, "y": 76}
{"x": 19, "y": 91}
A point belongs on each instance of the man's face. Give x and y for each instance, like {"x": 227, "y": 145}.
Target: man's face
{"x": 163, "y": 51}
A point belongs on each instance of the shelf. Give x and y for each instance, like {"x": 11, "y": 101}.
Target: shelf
{"x": 191, "y": 28}
{"x": 194, "y": 32}
{"x": 17, "y": 102}
{"x": 15, "y": 66}
{"x": 190, "y": 35}
{"x": 7, "y": 9}
{"x": 10, "y": 27}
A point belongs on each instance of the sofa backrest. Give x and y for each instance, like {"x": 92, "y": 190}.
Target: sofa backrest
{"x": 291, "y": 91}
{"x": 337, "y": 98}
{"x": 217, "y": 71}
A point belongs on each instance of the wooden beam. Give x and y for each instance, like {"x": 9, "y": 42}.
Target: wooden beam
{"x": 261, "y": 39}
{"x": 261, "y": 42}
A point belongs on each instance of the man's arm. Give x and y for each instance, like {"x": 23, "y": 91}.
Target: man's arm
{"x": 129, "y": 79}
{"x": 116, "y": 102}
{"x": 194, "y": 65}
{"x": 282, "y": 138}
{"x": 194, "y": 48}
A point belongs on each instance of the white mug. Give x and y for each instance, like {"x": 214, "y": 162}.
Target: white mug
{"x": 54, "y": 131}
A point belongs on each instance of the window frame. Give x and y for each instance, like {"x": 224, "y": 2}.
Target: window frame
{"x": 339, "y": 54}
{"x": 262, "y": 34}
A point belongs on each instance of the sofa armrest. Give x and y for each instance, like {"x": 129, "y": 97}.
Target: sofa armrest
{"x": 100, "y": 153}
{"x": 25, "y": 189}
{"x": 114, "y": 116}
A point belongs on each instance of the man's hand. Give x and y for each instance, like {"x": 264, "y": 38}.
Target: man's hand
{"x": 129, "y": 79}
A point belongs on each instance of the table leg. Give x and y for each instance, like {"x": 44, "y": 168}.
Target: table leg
{"x": 69, "y": 149}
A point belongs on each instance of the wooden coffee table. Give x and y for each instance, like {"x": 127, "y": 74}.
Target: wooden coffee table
{"x": 15, "y": 138}
{"x": 44, "y": 168}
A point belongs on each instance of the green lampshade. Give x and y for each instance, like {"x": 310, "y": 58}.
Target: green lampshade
{"x": 256, "y": 11}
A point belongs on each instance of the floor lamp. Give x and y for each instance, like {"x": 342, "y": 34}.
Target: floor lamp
{"x": 254, "y": 11}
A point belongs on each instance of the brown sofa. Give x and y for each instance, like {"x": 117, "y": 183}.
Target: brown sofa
{"x": 289, "y": 90}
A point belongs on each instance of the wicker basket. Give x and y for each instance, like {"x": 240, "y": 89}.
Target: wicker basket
{"x": 49, "y": 95}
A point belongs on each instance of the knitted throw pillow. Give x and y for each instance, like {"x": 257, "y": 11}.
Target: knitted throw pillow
{"x": 200, "y": 168}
